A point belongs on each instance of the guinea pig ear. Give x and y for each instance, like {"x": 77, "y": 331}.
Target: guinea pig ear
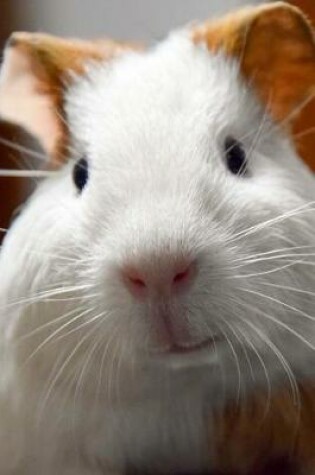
{"x": 35, "y": 72}
{"x": 276, "y": 49}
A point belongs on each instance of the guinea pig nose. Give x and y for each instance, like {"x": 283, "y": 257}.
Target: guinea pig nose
{"x": 134, "y": 281}
{"x": 182, "y": 276}
{"x": 160, "y": 280}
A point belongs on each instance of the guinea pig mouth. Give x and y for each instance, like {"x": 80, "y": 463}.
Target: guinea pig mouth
{"x": 192, "y": 347}
{"x": 187, "y": 349}
{"x": 173, "y": 337}
{"x": 181, "y": 356}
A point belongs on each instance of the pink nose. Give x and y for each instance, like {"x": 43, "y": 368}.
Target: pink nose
{"x": 159, "y": 282}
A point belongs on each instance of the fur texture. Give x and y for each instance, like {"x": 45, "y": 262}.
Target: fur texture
{"x": 86, "y": 386}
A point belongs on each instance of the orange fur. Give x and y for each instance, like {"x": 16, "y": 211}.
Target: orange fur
{"x": 260, "y": 429}
{"x": 51, "y": 61}
{"x": 276, "y": 48}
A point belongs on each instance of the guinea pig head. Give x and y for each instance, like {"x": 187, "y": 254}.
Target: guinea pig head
{"x": 179, "y": 211}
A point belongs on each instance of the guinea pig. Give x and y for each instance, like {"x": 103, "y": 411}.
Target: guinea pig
{"x": 161, "y": 277}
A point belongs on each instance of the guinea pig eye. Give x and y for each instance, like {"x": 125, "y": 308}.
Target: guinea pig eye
{"x": 235, "y": 156}
{"x": 81, "y": 173}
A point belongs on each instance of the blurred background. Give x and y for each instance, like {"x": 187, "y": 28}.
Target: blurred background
{"x": 144, "y": 20}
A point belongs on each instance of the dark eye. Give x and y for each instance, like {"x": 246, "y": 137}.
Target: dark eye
{"x": 235, "y": 156}
{"x": 81, "y": 173}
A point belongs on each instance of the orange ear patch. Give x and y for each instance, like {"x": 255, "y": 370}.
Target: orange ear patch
{"x": 35, "y": 71}
{"x": 276, "y": 49}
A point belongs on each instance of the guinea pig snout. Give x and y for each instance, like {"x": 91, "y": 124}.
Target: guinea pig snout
{"x": 158, "y": 277}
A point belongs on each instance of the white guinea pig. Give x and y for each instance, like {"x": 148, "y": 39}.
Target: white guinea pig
{"x": 166, "y": 264}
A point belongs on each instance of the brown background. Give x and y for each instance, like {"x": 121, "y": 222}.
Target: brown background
{"x": 13, "y": 191}
{"x": 10, "y": 190}
{"x": 305, "y": 126}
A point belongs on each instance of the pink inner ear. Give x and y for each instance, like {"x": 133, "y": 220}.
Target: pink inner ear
{"x": 21, "y": 101}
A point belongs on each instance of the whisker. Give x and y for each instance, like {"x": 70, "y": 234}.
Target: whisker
{"x": 284, "y": 325}
{"x": 263, "y": 365}
{"x": 23, "y": 149}
{"x": 258, "y": 274}
{"x": 247, "y": 261}
{"x": 90, "y": 353}
{"x": 303, "y": 133}
{"x": 244, "y": 349}
{"x": 41, "y": 296}
{"x": 102, "y": 364}
{"x": 48, "y": 324}
{"x": 260, "y": 131}
{"x": 237, "y": 364}
{"x": 286, "y": 287}
{"x": 110, "y": 384}
{"x": 284, "y": 363}
{"x": 118, "y": 366}
{"x": 63, "y": 367}
{"x": 53, "y": 371}
{"x": 276, "y": 251}
{"x": 305, "y": 208}
{"x": 56, "y": 332}
{"x": 82, "y": 325}
{"x": 293, "y": 113}
{"x": 8, "y": 173}
{"x": 283, "y": 304}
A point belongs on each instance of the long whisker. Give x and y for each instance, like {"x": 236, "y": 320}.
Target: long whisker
{"x": 23, "y": 149}
{"x": 293, "y": 113}
{"x": 260, "y": 131}
{"x": 286, "y": 257}
{"x": 258, "y": 274}
{"x": 283, "y": 304}
{"x": 8, "y": 173}
{"x": 286, "y": 366}
{"x": 244, "y": 349}
{"x": 286, "y": 287}
{"x": 54, "y": 369}
{"x": 305, "y": 208}
{"x": 56, "y": 332}
{"x": 114, "y": 369}
{"x": 111, "y": 366}
{"x": 42, "y": 296}
{"x": 102, "y": 364}
{"x": 87, "y": 359}
{"x": 46, "y": 325}
{"x": 237, "y": 364}
{"x": 303, "y": 133}
{"x": 64, "y": 366}
{"x": 275, "y": 251}
{"x": 263, "y": 365}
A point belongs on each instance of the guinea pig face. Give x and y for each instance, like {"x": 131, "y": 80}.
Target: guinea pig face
{"x": 155, "y": 145}
{"x": 182, "y": 224}
{"x": 186, "y": 201}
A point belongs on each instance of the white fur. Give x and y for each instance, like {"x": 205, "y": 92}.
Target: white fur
{"x": 152, "y": 126}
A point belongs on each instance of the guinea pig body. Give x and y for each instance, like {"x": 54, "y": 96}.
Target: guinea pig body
{"x": 165, "y": 269}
